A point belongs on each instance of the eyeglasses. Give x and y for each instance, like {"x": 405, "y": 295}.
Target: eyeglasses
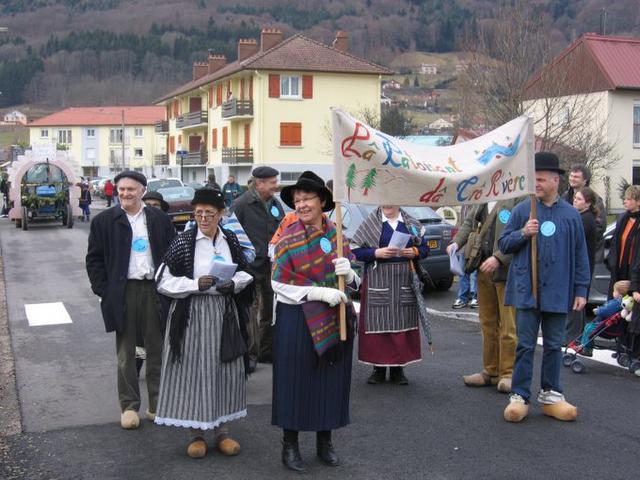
{"x": 304, "y": 200}
{"x": 205, "y": 216}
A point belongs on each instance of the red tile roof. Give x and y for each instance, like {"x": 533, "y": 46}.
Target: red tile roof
{"x": 592, "y": 63}
{"x": 297, "y": 53}
{"x": 91, "y": 116}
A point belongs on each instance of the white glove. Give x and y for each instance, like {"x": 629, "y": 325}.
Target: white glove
{"x": 332, "y": 296}
{"x": 343, "y": 267}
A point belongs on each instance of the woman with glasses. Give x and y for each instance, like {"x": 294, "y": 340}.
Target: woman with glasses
{"x": 311, "y": 366}
{"x": 203, "y": 382}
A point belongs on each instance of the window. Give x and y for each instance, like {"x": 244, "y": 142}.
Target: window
{"x": 44, "y": 133}
{"x": 138, "y": 132}
{"x": 289, "y": 87}
{"x": 91, "y": 153}
{"x": 91, "y": 133}
{"x": 115, "y": 135}
{"x": 636, "y": 173}
{"x": 290, "y": 134}
{"x": 290, "y": 176}
{"x": 137, "y": 153}
{"x": 64, "y": 136}
{"x": 636, "y": 126}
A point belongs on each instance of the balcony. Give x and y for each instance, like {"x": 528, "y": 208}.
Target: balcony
{"x": 195, "y": 159}
{"x": 161, "y": 160}
{"x": 237, "y": 156}
{"x": 237, "y": 108}
{"x": 162, "y": 126}
{"x": 192, "y": 119}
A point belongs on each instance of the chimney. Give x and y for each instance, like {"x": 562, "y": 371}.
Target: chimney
{"x": 246, "y": 48}
{"x": 216, "y": 62}
{"x": 200, "y": 69}
{"x": 269, "y": 38}
{"x": 341, "y": 42}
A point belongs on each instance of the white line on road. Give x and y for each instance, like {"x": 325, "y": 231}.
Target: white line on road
{"x": 39, "y": 314}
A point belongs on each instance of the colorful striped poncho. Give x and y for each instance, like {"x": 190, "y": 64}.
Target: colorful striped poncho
{"x": 300, "y": 260}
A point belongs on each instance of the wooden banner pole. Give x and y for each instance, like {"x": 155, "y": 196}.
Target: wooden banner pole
{"x": 534, "y": 250}
{"x": 341, "y": 286}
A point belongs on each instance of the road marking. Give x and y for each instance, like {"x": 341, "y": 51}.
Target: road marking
{"x": 39, "y": 314}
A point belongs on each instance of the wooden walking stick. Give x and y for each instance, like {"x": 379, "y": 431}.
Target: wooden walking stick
{"x": 341, "y": 286}
{"x": 534, "y": 250}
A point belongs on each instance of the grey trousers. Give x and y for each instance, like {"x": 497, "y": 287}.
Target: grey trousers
{"x": 260, "y": 329}
{"x": 142, "y": 313}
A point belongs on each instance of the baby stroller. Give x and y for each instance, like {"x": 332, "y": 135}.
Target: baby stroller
{"x": 610, "y": 329}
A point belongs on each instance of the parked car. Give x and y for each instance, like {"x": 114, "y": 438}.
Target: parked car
{"x": 601, "y": 275}
{"x": 179, "y": 200}
{"x": 154, "y": 184}
{"x": 438, "y": 233}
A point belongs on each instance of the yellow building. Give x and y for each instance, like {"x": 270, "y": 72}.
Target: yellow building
{"x": 269, "y": 107}
{"x": 94, "y": 137}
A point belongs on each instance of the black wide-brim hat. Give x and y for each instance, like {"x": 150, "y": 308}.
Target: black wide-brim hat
{"x": 157, "y": 196}
{"x": 309, "y": 182}
{"x": 209, "y": 196}
{"x": 548, "y": 161}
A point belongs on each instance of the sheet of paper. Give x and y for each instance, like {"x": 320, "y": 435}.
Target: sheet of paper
{"x": 399, "y": 239}
{"x": 222, "y": 270}
{"x": 456, "y": 262}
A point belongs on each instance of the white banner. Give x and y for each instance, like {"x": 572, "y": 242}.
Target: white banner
{"x": 372, "y": 167}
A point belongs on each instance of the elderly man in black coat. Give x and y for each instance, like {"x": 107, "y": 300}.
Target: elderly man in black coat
{"x": 126, "y": 244}
{"x": 260, "y": 213}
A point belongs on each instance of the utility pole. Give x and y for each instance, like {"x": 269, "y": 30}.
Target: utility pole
{"x": 123, "y": 139}
{"x": 603, "y": 22}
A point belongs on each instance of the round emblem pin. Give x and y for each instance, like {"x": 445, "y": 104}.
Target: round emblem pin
{"x": 504, "y": 216}
{"x": 325, "y": 245}
{"x": 275, "y": 212}
{"x": 548, "y": 228}
{"x": 140, "y": 244}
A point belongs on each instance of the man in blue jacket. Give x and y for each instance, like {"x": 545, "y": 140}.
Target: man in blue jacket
{"x": 563, "y": 279}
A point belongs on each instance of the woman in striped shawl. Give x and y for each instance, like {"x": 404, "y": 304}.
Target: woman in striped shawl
{"x": 311, "y": 366}
{"x": 203, "y": 382}
{"x": 389, "y": 335}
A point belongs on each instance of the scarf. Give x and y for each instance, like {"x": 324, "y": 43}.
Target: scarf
{"x": 300, "y": 260}
{"x": 369, "y": 231}
{"x": 179, "y": 261}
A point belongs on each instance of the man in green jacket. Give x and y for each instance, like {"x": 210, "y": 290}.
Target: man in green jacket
{"x": 497, "y": 322}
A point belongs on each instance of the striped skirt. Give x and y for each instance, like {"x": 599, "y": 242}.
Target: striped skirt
{"x": 200, "y": 391}
{"x": 307, "y": 396}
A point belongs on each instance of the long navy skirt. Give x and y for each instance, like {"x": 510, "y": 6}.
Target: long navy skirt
{"x": 307, "y": 395}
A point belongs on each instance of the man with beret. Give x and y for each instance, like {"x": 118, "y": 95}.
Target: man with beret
{"x": 562, "y": 282}
{"x": 126, "y": 244}
{"x": 260, "y": 213}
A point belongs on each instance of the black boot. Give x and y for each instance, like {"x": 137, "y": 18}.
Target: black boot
{"x": 378, "y": 376}
{"x": 396, "y": 375}
{"x": 290, "y": 453}
{"x": 324, "y": 449}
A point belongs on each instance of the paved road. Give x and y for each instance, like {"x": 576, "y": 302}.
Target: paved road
{"x": 434, "y": 428}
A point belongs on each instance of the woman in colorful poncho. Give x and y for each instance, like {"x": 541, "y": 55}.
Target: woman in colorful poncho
{"x": 311, "y": 366}
{"x": 388, "y": 326}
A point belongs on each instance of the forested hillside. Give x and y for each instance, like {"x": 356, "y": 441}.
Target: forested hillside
{"x": 74, "y": 52}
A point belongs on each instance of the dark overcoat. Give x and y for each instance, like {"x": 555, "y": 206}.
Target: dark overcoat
{"x": 108, "y": 255}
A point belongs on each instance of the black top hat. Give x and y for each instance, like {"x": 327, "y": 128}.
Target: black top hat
{"x": 308, "y": 182}
{"x": 137, "y": 176}
{"x": 157, "y": 196}
{"x": 548, "y": 161}
{"x": 209, "y": 196}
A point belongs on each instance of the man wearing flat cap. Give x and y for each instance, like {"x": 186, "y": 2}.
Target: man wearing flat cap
{"x": 562, "y": 283}
{"x": 126, "y": 244}
{"x": 260, "y": 213}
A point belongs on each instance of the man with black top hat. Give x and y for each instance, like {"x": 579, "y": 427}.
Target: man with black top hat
{"x": 126, "y": 244}
{"x": 260, "y": 213}
{"x": 562, "y": 282}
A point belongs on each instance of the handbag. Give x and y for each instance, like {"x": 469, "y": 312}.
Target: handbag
{"x": 472, "y": 250}
{"x": 232, "y": 343}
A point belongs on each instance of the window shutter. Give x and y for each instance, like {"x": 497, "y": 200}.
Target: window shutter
{"x": 180, "y": 139}
{"x": 307, "y": 86}
{"x": 214, "y": 138}
{"x": 175, "y": 108}
{"x": 224, "y": 137}
{"x": 219, "y": 95}
{"x": 274, "y": 86}
{"x": 290, "y": 134}
{"x": 284, "y": 134}
{"x": 241, "y": 89}
{"x": 250, "y": 88}
{"x": 210, "y": 96}
{"x": 172, "y": 144}
{"x": 296, "y": 134}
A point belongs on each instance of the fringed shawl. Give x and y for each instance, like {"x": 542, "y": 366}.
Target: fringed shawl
{"x": 369, "y": 231}
{"x": 300, "y": 260}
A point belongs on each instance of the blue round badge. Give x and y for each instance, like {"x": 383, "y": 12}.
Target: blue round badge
{"x": 548, "y": 228}
{"x": 140, "y": 244}
{"x": 325, "y": 245}
{"x": 219, "y": 258}
{"x": 504, "y": 216}
{"x": 275, "y": 212}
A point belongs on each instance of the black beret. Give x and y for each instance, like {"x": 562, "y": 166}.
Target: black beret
{"x": 209, "y": 196}
{"x": 264, "y": 172}
{"x": 137, "y": 176}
